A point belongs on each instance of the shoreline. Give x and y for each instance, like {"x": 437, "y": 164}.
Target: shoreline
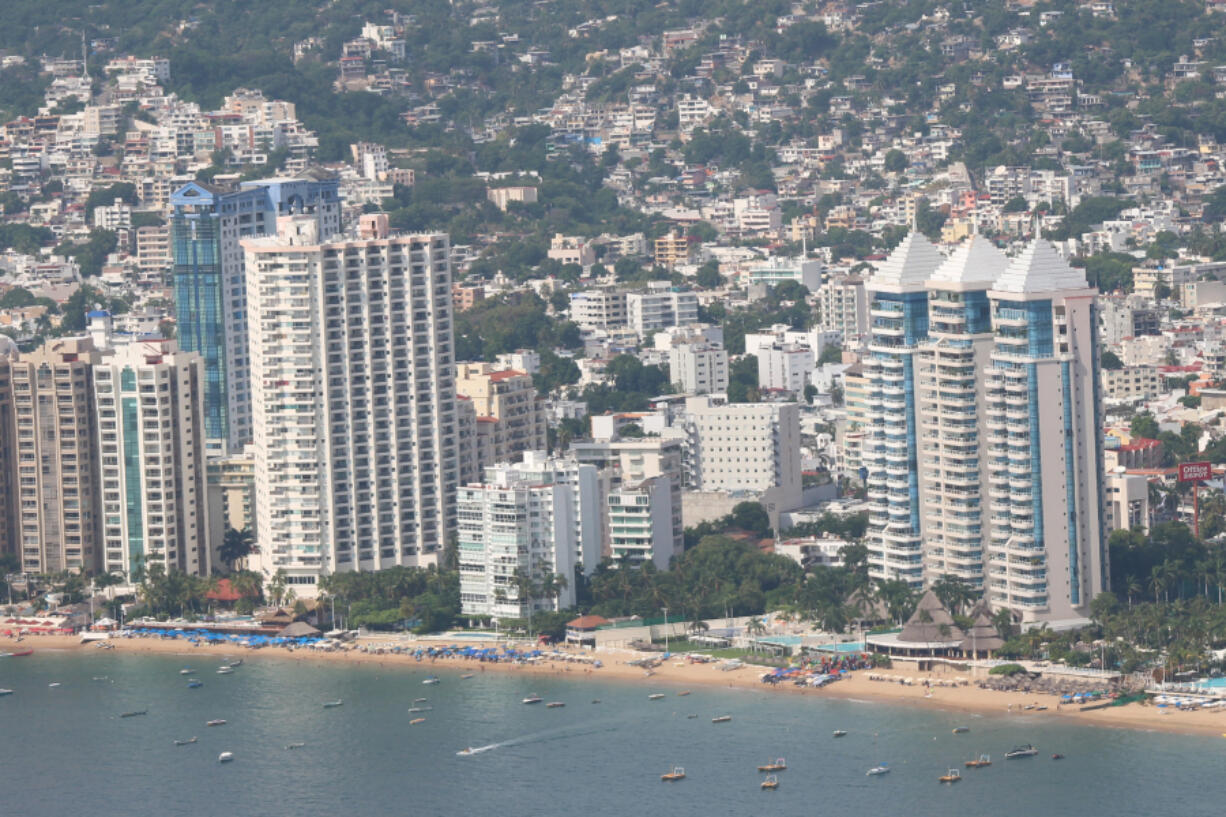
{"x": 677, "y": 673}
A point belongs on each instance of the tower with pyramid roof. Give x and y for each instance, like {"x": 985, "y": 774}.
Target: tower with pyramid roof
{"x": 1046, "y": 557}
{"x": 898, "y": 324}
{"x": 951, "y": 400}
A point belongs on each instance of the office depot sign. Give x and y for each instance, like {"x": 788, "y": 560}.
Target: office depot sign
{"x": 1195, "y": 471}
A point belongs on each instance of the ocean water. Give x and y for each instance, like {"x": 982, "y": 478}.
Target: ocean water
{"x": 65, "y": 751}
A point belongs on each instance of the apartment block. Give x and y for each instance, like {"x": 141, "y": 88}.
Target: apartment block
{"x": 56, "y": 458}
{"x": 509, "y": 398}
{"x": 843, "y": 308}
{"x": 355, "y": 417}
{"x": 660, "y": 306}
{"x": 698, "y": 368}
{"x": 1131, "y": 384}
{"x": 150, "y": 403}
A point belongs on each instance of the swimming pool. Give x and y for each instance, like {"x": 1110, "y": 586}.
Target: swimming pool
{"x": 1212, "y": 683}
{"x": 850, "y": 646}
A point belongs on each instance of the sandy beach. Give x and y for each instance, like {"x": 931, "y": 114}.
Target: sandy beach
{"x": 678, "y": 674}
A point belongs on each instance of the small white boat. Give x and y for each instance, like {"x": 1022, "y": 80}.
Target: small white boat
{"x": 655, "y": 697}
{"x": 217, "y": 722}
{"x": 333, "y": 704}
{"x": 721, "y": 719}
{"x": 294, "y": 745}
{"x": 6, "y": 692}
{"x": 416, "y": 709}
{"x": 884, "y": 768}
{"x": 1025, "y": 750}
{"x": 838, "y": 733}
{"x": 225, "y": 670}
{"x": 225, "y": 757}
{"x": 466, "y": 752}
{"x": 186, "y": 671}
{"x": 554, "y": 705}
{"x": 532, "y": 699}
{"x": 466, "y": 676}
{"x": 433, "y": 679}
{"x": 419, "y": 700}
{"x": 54, "y": 684}
{"x": 185, "y": 742}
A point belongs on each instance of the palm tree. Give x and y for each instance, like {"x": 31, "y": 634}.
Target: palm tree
{"x": 276, "y": 587}
{"x": 1134, "y": 589}
{"x": 755, "y": 627}
{"x": 237, "y": 544}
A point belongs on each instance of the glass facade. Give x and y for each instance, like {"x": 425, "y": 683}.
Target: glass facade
{"x": 200, "y": 311}
{"x": 132, "y": 470}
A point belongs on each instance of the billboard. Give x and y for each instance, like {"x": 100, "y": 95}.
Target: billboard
{"x": 1195, "y": 471}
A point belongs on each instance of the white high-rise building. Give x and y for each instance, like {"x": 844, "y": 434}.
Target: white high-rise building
{"x": 355, "y": 416}
{"x": 744, "y": 447}
{"x": 950, "y": 408}
{"x": 150, "y": 402}
{"x": 699, "y": 368}
{"x": 785, "y": 367}
{"x": 1046, "y": 555}
{"x": 843, "y": 308}
{"x": 538, "y": 519}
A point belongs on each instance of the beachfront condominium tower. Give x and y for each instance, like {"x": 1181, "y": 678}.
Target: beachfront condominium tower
{"x": 149, "y": 397}
{"x": 950, "y": 406}
{"x": 1046, "y": 556}
{"x": 524, "y": 525}
{"x": 354, "y": 415}
{"x": 55, "y": 457}
{"x": 210, "y": 293}
{"x": 898, "y": 324}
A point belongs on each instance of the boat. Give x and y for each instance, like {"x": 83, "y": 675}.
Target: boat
{"x": 884, "y": 768}
{"x": 1057, "y": 756}
{"x": 838, "y": 733}
{"x": 683, "y": 693}
{"x": 225, "y": 670}
{"x": 776, "y": 765}
{"x": 192, "y": 683}
{"x": 419, "y": 700}
{"x": 1025, "y": 750}
{"x": 690, "y": 717}
{"x": 294, "y": 745}
{"x": 466, "y": 676}
{"x": 186, "y": 671}
{"x": 217, "y": 722}
{"x": 466, "y": 752}
{"x": 185, "y": 742}
{"x": 981, "y": 762}
{"x": 433, "y": 679}
{"x": 225, "y": 757}
{"x": 6, "y": 692}
{"x": 674, "y": 774}
{"x": 532, "y": 699}
{"x": 951, "y": 776}
{"x": 771, "y": 783}
{"x": 595, "y": 700}
{"x": 416, "y": 721}
{"x": 100, "y": 678}
{"x": 1041, "y": 708}
{"x": 721, "y": 719}
{"x": 19, "y": 653}
{"x": 135, "y": 713}
{"x": 958, "y": 730}
{"x": 415, "y": 709}
{"x": 333, "y": 704}
{"x": 236, "y": 663}
{"x": 655, "y": 696}
{"x": 54, "y": 684}
{"x": 554, "y": 705}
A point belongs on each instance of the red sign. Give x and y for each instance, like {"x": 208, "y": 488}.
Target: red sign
{"x": 1195, "y": 471}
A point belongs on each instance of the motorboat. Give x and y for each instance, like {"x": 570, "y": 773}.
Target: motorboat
{"x": 17, "y": 653}
{"x": 884, "y": 768}
{"x": 186, "y": 671}
{"x": 185, "y": 742}
{"x": 416, "y": 721}
{"x": 770, "y": 783}
{"x": 776, "y": 765}
{"x": 419, "y": 700}
{"x": 951, "y": 776}
{"x": 674, "y": 774}
{"x": 532, "y": 699}
{"x": 466, "y": 752}
{"x": 333, "y": 704}
{"x": 981, "y": 762}
{"x": 216, "y": 722}
{"x": 54, "y": 684}
{"x": 433, "y": 679}
{"x": 294, "y": 745}
{"x": 1025, "y": 750}
{"x": 655, "y": 696}
{"x": 683, "y": 693}
{"x": 225, "y": 670}
{"x": 135, "y": 713}
{"x": 595, "y": 700}
{"x": 225, "y": 757}
{"x": 958, "y": 730}
{"x": 554, "y": 705}
{"x": 721, "y": 719}
{"x": 838, "y": 733}
{"x": 6, "y": 692}
{"x": 236, "y": 663}
{"x": 690, "y": 717}
{"x": 194, "y": 684}
{"x": 1057, "y": 756}
{"x": 415, "y": 709}
{"x": 466, "y": 676}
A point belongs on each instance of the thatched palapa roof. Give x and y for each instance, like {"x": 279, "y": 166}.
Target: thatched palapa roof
{"x": 930, "y": 623}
